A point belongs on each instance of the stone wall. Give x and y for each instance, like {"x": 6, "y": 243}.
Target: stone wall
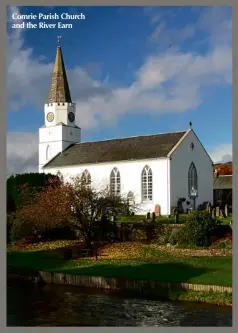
{"x": 110, "y": 283}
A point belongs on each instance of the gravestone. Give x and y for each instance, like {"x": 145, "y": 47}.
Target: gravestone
{"x": 208, "y": 207}
{"x": 213, "y": 212}
{"x": 217, "y": 212}
{"x": 174, "y": 212}
{"x": 226, "y": 210}
{"x": 157, "y": 210}
{"x": 153, "y": 217}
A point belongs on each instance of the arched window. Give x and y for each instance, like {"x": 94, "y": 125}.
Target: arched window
{"x": 48, "y": 153}
{"x": 192, "y": 181}
{"x": 147, "y": 184}
{"x": 86, "y": 178}
{"x": 115, "y": 182}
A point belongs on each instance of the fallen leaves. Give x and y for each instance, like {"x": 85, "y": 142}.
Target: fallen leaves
{"x": 131, "y": 250}
{"x": 47, "y": 246}
{"x": 136, "y": 250}
{"x": 127, "y": 250}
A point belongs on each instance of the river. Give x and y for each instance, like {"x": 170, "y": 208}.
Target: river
{"x": 51, "y": 305}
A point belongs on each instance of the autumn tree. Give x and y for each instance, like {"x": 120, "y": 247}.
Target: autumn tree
{"x": 73, "y": 203}
{"x": 33, "y": 181}
{"x": 17, "y": 185}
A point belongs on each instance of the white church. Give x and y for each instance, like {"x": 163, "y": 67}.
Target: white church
{"x": 153, "y": 171}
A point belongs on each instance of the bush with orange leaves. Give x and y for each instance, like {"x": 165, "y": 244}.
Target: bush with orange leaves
{"x": 73, "y": 203}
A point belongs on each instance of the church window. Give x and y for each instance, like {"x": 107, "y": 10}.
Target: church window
{"x": 48, "y": 153}
{"x": 147, "y": 184}
{"x": 115, "y": 182}
{"x": 86, "y": 178}
{"x": 192, "y": 180}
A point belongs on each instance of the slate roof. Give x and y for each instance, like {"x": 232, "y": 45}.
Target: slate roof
{"x": 222, "y": 182}
{"x": 59, "y": 90}
{"x": 132, "y": 148}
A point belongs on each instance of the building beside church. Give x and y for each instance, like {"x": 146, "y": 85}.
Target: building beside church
{"x": 222, "y": 184}
{"x": 151, "y": 170}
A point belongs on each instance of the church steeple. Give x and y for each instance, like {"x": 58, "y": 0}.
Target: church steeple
{"x": 59, "y": 90}
{"x": 59, "y": 130}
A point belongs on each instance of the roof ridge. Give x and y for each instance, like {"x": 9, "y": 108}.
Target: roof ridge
{"x": 133, "y": 148}
{"x": 131, "y": 137}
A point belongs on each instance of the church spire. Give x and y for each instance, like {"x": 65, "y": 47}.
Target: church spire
{"x": 59, "y": 90}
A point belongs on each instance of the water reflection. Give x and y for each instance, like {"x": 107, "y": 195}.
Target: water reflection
{"x": 31, "y": 305}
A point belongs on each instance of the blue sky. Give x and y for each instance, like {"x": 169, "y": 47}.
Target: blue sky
{"x": 131, "y": 70}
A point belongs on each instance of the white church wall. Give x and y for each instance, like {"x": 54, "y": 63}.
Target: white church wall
{"x": 130, "y": 173}
{"x": 71, "y": 134}
{"x": 49, "y": 140}
{"x": 55, "y": 139}
{"x": 180, "y": 162}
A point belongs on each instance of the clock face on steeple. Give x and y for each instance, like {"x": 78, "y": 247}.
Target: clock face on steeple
{"x": 50, "y": 117}
{"x": 71, "y": 117}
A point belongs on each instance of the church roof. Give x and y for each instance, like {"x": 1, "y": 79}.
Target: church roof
{"x": 59, "y": 90}
{"x": 132, "y": 148}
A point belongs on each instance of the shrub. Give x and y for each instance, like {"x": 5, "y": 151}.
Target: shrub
{"x": 58, "y": 234}
{"x": 225, "y": 244}
{"x": 10, "y": 221}
{"x": 199, "y": 227}
{"x": 177, "y": 237}
{"x": 150, "y": 232}
{"x": 21, "y": 230}
{"x": 164, "y": 233}
{"x": 222, "y": 231}
{"x": 21, "y": 244}
{"x": 174, "y": 236}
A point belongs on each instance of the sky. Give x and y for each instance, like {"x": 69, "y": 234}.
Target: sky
{"x": 131, "y": 71}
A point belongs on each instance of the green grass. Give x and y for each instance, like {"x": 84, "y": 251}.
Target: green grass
{"x": 142, "y": 218}
{"x": 163, "y": 219}
{"x": 226, "y": 220}
{"x": 210, "y": 297}
{"x": 208, "y": 270}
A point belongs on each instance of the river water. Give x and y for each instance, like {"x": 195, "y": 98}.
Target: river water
{"x": 51, "y": 305}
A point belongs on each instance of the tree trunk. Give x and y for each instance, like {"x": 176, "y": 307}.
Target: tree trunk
{"x": 88, "y": 241}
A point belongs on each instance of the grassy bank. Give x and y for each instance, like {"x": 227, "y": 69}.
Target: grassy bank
{"x": 216, "y": 298}
{"x": 150, "y": 262}
{"x": 200, "y": 270}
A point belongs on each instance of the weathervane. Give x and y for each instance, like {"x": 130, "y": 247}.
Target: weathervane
{"x": 59, "y": 37}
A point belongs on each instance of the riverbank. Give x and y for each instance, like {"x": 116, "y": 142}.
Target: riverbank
{"x": 210, "y": 294}
{"x": 170, "y": 277}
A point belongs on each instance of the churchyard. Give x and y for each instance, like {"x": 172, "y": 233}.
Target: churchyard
{"x": 194, "y": 247}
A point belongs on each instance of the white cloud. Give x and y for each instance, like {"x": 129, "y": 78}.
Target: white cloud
{"x": 221, "y": 153}
{"x": 22, "y": 152}
{"x": 169, "y": 81}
